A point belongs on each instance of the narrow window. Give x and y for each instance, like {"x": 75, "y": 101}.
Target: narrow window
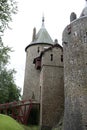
{"x": 61, "y": 58}
{"x": 40, "y": 92}
{"x": 38, "y": 63}
{"x": 51, "y": 57}
{"x": 86, "y": 33}
{"x": 85, "y": 39}
{"x": 33, "y": 95}
{"x": 38, "y": 49}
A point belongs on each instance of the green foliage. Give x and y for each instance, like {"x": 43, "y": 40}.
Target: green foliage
{"x": 7, "y": 8}
{"x": 32, "y": 127}
{"x": 8, "y": 89}
{"x": 4, "y": 55}
{"x": 8, "y": 123}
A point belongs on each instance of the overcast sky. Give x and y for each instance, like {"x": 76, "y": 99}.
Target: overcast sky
{"x": 30, "y": 13}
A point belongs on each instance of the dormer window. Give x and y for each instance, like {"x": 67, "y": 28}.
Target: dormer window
{"x": 37, "y": 62}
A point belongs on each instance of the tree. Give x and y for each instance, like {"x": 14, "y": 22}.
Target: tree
{"x": 7, "y": 8}
{"x": 8, "y": 89}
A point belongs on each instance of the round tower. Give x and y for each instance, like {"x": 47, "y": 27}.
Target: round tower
{"x": 75, "y": 73}
{"x": 32, "y": 70}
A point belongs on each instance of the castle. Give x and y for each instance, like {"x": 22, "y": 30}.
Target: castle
{"x": 56, "y": 76}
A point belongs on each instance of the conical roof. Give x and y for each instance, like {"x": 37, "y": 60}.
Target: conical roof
{"x": 42, "y": 36}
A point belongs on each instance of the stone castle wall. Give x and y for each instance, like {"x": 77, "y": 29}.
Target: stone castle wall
{"x": 75, "y": 74}
{"x": 32, "y": 75}
{"x": 52, "y": 92}
{"x": 48, "y": 87}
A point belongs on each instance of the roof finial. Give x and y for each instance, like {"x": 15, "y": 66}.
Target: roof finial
{"x": 43, "y": 21}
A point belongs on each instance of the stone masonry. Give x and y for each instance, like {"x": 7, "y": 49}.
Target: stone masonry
{"x": 32, "y": 75}
{"x": 52, "y": 92}
{"x": 43, "y": 81}
{"x": 54, "y": 74}
{"x": 75, "y": 74}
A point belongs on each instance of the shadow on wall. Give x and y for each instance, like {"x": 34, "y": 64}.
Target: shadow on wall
{"x": 34, "y": 116}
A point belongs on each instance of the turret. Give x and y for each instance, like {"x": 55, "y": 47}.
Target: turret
{"x": 32, "y": 74}
{"x": 32, "y": 88}
{"x": 75, "y": 73}
{"x": 72, "y": 16}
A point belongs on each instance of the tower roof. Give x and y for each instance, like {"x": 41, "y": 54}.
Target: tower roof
{"x": 42, "y": 36}
{"x": 84, "y": 11}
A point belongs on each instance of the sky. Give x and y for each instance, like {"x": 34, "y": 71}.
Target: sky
{"x": 30, "y": 12}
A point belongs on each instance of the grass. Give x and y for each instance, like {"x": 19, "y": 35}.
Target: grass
{"x": 8, "y": 123}
{"x": 31, "y": 127}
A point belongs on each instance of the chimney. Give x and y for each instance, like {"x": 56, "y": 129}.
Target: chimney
{"x": 34, "y": 34}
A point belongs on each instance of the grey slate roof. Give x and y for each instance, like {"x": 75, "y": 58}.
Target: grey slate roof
{"x": 42, "y": 37}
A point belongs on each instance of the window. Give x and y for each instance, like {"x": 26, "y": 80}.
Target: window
{"x": 85, "y": 39}
{"x": 86, "y": 33}
{"x": 61, "y": 58}
{"x": 38, "y": 63}
{"x": 38, "y": 49}
{"x": 51, "y": 57}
